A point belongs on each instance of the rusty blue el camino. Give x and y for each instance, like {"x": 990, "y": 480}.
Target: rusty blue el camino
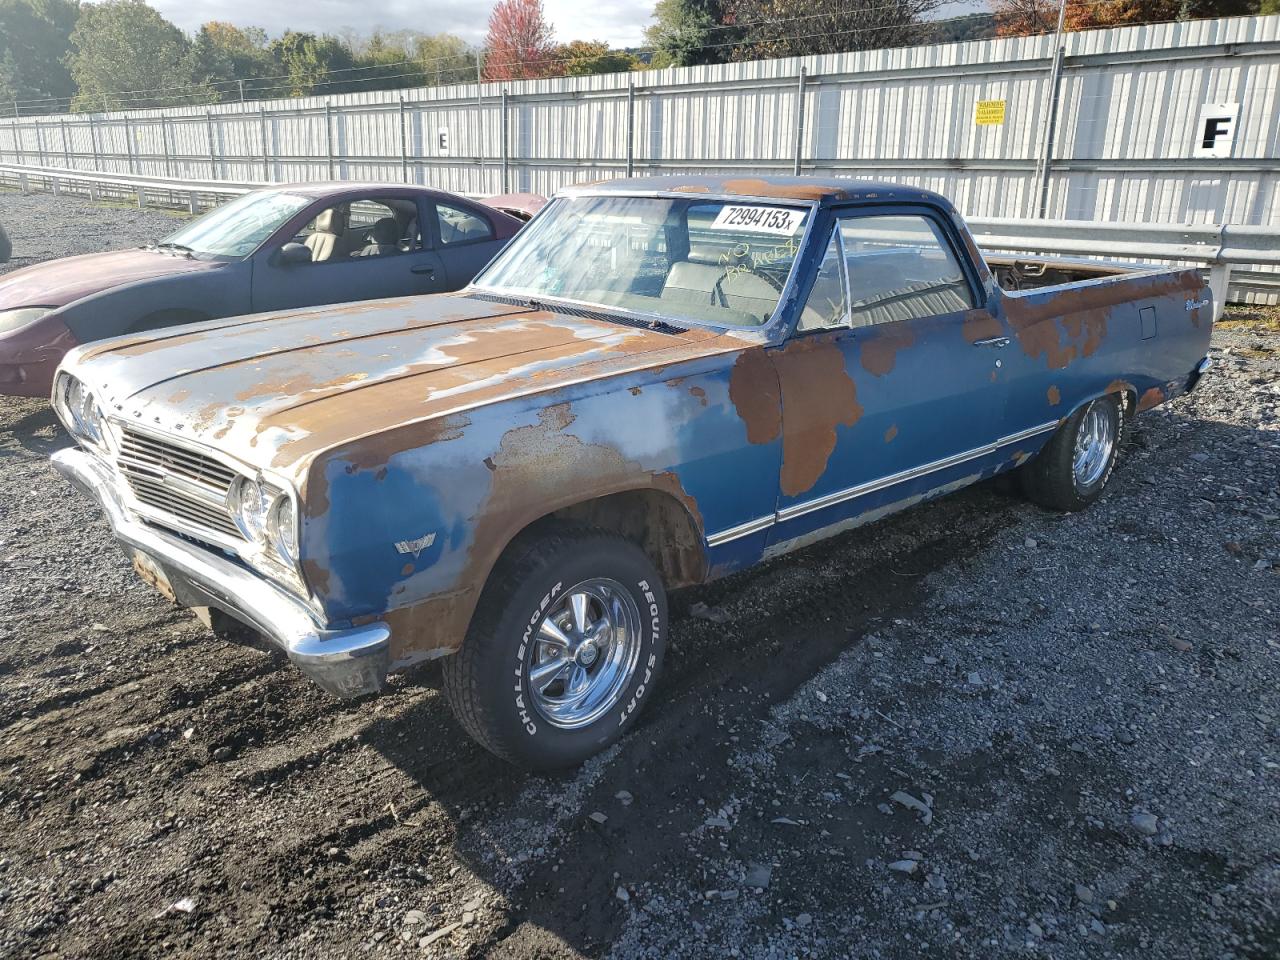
{"x": 658, "y": 382}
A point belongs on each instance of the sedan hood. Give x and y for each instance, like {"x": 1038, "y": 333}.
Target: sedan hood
{"x": 56, "y": 283}
{"x": 276, "y": 389}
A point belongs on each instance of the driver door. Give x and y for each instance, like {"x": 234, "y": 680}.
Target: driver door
{"x": 360, "y": 257}
{"x": 884, "y": 397}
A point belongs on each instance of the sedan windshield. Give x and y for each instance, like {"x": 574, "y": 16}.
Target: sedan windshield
{"x": 723, "y": 262}
{"x": 237, "y": 228}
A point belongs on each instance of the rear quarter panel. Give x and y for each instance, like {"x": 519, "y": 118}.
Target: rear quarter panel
{"x": 1142, "y": 334}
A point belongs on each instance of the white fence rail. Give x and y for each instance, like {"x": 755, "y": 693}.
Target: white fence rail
{"x": 1225, "y": 250}
{"x": 968, "y": 120}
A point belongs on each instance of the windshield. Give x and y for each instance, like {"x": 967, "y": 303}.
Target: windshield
{"x": 237, "y": 228}
{"x": 724, "y": 262}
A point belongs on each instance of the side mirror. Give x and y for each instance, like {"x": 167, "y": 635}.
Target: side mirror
{"x": 293, "y": 253}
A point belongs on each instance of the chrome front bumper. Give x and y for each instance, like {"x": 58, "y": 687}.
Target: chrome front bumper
{"x": 346, "y": 663}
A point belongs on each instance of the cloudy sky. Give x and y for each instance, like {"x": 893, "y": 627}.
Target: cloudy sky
{"x": 620, "y": 22}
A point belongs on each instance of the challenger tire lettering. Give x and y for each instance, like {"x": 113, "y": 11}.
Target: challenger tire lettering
{"x": 535, "y": 619}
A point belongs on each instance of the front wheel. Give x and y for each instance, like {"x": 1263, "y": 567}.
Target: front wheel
{"x": 1072, "y": 470}
{"x": 565, "y": 647}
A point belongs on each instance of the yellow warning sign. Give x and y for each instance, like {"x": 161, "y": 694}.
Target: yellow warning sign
{"x": 989, "y": 113}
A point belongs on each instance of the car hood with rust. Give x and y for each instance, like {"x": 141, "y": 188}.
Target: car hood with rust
{"x": 56, "y": 283}
{"x": 275, "y": 390}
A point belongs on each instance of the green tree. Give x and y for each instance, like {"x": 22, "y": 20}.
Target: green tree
{"x": 689, "y": 32}
{"x": 223, "y": 54}
{"x": 581, "y": 58}
{"x": 444, "y": 58}
{"x": 1269, "y": 6}
{"x": 34, "y": 35}
{"x": 124, "y": 55}
{"x": 307, "y": 59}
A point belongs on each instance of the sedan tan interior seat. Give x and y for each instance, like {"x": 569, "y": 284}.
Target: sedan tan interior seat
{"x": 384, "y": 238}
{"x": 326, "y": 240}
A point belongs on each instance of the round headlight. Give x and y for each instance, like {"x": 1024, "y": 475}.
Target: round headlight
{"x": 89, "y": 416}
{"x": 80, "y": 411}
{"x": 283, "y": 527}
{"x": 249, "y": 504}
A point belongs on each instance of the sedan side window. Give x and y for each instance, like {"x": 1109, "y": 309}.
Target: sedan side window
{"x": 827, "y": 305}
{"x": 461, "y": 226}
{"x": 900, "y": 267}
{"x": 362, "y": 228}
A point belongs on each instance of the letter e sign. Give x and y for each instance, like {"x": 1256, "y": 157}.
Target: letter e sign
{"x": 1216, "y": 134}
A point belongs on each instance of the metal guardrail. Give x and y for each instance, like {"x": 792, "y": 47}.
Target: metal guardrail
{"x": 161, "y": 191}
{"x": 1224, "y": 249}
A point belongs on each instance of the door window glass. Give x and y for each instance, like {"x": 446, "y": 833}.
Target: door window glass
{"x": 362, "y": 228}
{"x": 461, "y": 226}
{"x": 900, "y": 267}
{"x": 827, "y": 305}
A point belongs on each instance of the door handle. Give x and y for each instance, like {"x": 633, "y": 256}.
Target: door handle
{"x": 996, "y": 342}
{"x": 427, "y": 271}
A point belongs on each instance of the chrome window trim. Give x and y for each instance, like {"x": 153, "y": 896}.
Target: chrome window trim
{"x": 872, "y": 486}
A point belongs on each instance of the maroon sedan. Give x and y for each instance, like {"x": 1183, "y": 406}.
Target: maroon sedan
{"x": 291, "y": 246}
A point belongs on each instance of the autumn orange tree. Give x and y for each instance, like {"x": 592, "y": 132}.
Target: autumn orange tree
{"x": 520, "y": 44}
{"x": 1015, "y": 18}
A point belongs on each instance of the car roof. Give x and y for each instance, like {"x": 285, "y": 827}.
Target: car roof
{"x": 338, "y": 188}
{"x": 820, "y": 189}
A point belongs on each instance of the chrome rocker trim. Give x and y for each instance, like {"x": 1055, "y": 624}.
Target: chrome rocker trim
{"x": 345, "y": 663}
{"x": 871, "y": 486}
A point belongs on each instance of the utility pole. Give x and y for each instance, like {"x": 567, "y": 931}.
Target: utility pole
{"x": 1040, "y": 197}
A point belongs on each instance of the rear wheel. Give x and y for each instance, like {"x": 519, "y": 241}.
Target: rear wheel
{"x": 1073, "y": 469}
{"x": 565, "y": 647}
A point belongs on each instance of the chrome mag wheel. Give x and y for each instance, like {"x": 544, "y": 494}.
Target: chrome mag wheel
{"x": 584, "y": 653}
{"x": 1095, "y": 441}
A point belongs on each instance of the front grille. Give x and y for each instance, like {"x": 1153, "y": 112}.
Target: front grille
{"x": 185, "y": 484}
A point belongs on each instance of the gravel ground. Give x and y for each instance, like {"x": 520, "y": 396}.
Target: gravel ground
{"x": 976, "y": 729}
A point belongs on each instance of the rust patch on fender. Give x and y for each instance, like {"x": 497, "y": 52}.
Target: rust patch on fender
{"x": 1121, "y": 386}
{"x": 819, "y": 396}
{"x": 373, "y": 453}
{"x": 700, "y": 394}
{"x": 1072, "y": 322}
{"x": 1151, "y": 398}
{"x": 317, "y": 576}
{"x": 879, "y": 353}
{"x": 754, "y": 393}
{"x": 537, "y": 469}
{"x": 1054, "y": 396}
{"x": 891, "y": 433}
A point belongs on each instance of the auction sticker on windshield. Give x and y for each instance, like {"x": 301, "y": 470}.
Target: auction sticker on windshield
{"x": 779, "y": 220}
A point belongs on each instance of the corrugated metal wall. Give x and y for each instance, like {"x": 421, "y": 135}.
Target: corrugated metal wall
{"x": 1128, "y": 119}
